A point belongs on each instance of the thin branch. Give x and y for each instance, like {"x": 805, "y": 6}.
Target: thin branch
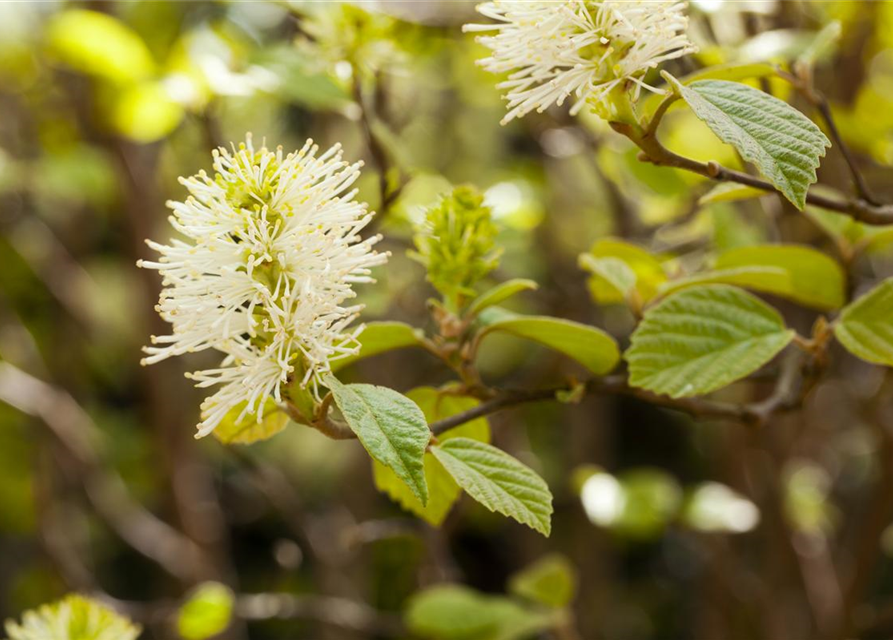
{"x": 655, "y": 153}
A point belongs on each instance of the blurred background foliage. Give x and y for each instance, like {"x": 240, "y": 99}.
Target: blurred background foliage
{"x": 664, "y": 527}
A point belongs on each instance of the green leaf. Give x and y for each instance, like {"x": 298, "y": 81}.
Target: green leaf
{"x": 865, "y": 327}
{"x": 591, "y": 347}
{"x": 498, "y": 481}
{"x": 551, "y": 581}
{"x": 390, "y": 426}
{"x": 99, "y": 44}
{"x": 823, "y": 45}
{"x": 730, "y": 192}
{"x": 442, "y": 489}
{"x": 648, "y": 270}
{"x": 499, "y": 293}
{"x": 783, "y": 143}
{"x": 248, "y": 430}
{"x": 379, "y": 337}
{"x": 702, "y": 339}
{"x": 814, "y": 279}
{"x": 207, "y": 612}
{"x": 798, "y": 273}
{"x": 612, "y": 271}
{"x": 455, "y": 612}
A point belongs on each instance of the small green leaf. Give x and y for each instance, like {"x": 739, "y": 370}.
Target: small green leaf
{"x": 498, "y": 481}
{"x": 248, "y": 430}
{"x": 379, "y": 337}
{"x": 648, "y": 270}
{"x": 498, "y": 294}
{"x": 702, "y": 339}
{"x": 591, "y": 347}
{"x": 783, "y": 143}
{"x": 442, "y": 489}
{"x": 551, "y": 581}
{"x": 730, "y": 192}
{"x": 613, "y": 271}
{"x": 455, "y": 612}
{"x": 390, "y": 426}
{"x": 207, "y": 612}
{"x": 865, "y": 327}
{"x": 823, "y": 45}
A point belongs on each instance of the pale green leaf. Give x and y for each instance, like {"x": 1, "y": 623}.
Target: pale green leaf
{"x": 551, "y": 581}
{"x": 784, "y": 144}
{"x": 815, "y": 279}
{"x": 500, "y": 293}
{"x": 591, "y": 347}
{"x": 390, "y": 426}
{"x": 613, "y": 271}
{"x": 702, "y": 339}
{"x": 498, "y": 481}
{"x": 442, "y": 489}
{"x": 731, "y": 71}
{"x": 99, "y": 44}
{"x": 455, "y": 612}
{"x": 648, "y": 270}
{"x": 206, "y": 613}
{"x": 865, "y": 327}
{"x": 248, "y": 430}
{"x": 730, "y": 192}
{"x": 379, "y": 337}
{"x": 823, "y": 44}
{"x": 758, "y": 278}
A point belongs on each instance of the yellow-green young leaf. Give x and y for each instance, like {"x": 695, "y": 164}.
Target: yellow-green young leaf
{"x": 379, "y": 337}
{"x": 758, "y": 278}
{"x": 455, "y": 612}
{"x": 551, "y": 581}
{"x": 207, "y": 612}
{"x": 649, "y": 272}
{"x": 814, "y": 279}
{"x": 783, "y": 143}
{"x": 145, "y": 112}
{"x": 865, "y": 327}
{"x": 702, "y": 339}
{"x": 498, "y": 481}
{"x": 99, "y": 44}
{"x": 822, "y": 45}
{"x": 73, "y": 618}
{"x": 498, "y": 294}
{"x": 591, "y": 347}
{"x": 612, "y": 271}
{"x": 442, "y": 489}
{"x": 390, "y": 426}
{"x": 730, "y": 192}
{"x": 248, "y": 430}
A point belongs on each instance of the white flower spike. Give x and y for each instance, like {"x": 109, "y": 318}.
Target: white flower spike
{"x": 273, "y": 248}
{"x": 586, "y": 48}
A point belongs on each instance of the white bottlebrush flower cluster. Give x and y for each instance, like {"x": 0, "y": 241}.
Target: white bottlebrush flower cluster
{"x": 273, "y": 250}
{"x": 586, "y": 48}
{"x": 73, "y": 618}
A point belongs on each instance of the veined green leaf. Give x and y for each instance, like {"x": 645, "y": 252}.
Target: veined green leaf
{"x": 442, "y": 489}
{"x": 551, "y": 581}
{"x": 498, "y": 481}
{"x": 390, "y": 426}
{"x": 500, "y": 293}
{"x": 865, "y": 327}
{"x": 731, "y": 71}
{"x": 248, "y": 430}
{"x": 702, "y": 339}
{"x": 379, "y": 337}
{"x": 455, "y": 612}
{"x": 784, "y": 144}
{"x": 591, "y": 347}
{"x": 648, "y": 270}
